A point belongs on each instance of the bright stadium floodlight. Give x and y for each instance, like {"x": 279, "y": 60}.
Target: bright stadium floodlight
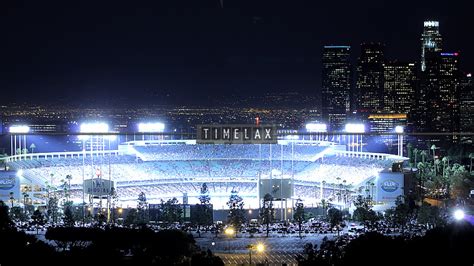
{"x": 399, "y": 129}
{"x": 94, "y": 128}
{"x": 458, "y": 215}
{"x": 19, "y": 129}
{"x": 355, "y": 128}
{"x": 151, "y": 127}
{"x": 316, "y": 127}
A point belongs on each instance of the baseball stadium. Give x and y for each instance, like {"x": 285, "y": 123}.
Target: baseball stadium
{"x": 293, "y": 169}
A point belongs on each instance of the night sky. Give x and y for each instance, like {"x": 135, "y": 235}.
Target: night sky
{"x": 172, "y": 52}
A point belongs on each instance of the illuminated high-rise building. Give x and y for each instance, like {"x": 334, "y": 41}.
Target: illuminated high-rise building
{"x": 370, "y": 73}
{"x": 399, "y": 87}
{"x": 431, "y": 41}
{"x": 444, "y": 101}
{"x": 336, "y": 85}
{"x": 466, "y": 103}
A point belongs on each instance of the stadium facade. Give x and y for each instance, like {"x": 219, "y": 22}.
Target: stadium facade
{"x": 163, "y": 169}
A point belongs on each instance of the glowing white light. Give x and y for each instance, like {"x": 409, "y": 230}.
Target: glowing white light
{"x": 355, "y": 128}
{"x": 314, "y": 127}
{"x": 399, "y": 129}
{"x": 151, "y": 127}
{"x": 431, "y": 24}
{"x": 459, "y": 215}
{"x": 94, "y": 128}
{"x": 19, "y": 173}
{"x": 19, "y": 129}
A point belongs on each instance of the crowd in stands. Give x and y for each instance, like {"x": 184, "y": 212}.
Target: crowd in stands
{"x": 234, "y": 151}
{"x": 176, "y": 169}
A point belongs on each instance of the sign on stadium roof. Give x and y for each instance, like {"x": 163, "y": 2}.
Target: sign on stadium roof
{"x": 236, "y": 134}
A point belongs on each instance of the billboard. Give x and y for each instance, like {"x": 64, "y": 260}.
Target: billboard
{"x": 389, "y": 186}
{"x": 236, "y": 134}
{"x": 98, "y": 186}
{"x": 9, "y": 182}
{"x": 279, "y": 188}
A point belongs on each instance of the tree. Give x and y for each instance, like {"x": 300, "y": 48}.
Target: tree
{"x": 400, "y": 214}
{"x": 204, "y": 197}
{"x": 433, "y": 148}
{"x": 335, "y": 218}
{"x": 114, "y": 200}
{"x": 171, "y": 211}
{"x": 431, "y": 215}
{"x": 5, "y": 221}
{"x": 53, "y": 209}
{"x": 267, "y": 212}
{"x": 203, "y": 214}
{"x": 298, "y": 215}
{"x": 38, "y": 219}
{"x": 236, "y": 215}
{"x": 131, "y": 218}
{"x": 12, "y": 198}
{"x": 423, "y": 154}
{"x": 68, "y": 214}
{"x": 17, "y": 214}
{"x": 142, "y": 209}
{"x": 324, "y": 206}
{"x": 32, "y": 147}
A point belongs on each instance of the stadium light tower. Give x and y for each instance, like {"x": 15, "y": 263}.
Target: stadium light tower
{"x": 399, "y": 130}
{"x": 316, "y": 128}
{"x": 354, "y": 129}
{"x": 152, "y": 127}
{"x": 20, "y": 130}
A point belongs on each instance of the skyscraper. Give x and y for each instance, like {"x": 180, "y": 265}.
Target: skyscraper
{"x": 399, "y": 87}
{"x": 466, "y": 104}
{"x": 444, "y": 96}
{"x": 431, "y": 41}
{"x": 336, "y": 85}
{"x": 370, "y": 72}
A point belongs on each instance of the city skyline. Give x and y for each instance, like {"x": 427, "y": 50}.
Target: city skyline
{"x": 248, "y": 48}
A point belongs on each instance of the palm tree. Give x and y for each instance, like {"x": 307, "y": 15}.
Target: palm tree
{"x": 436, "y": 165}
{"x": 433, "y": 147}
{"x": 32, "y": 147}
{"x": 68, "y": 178}
{"x": 423, "y": 154}
{"x": 25, "y": 197}
{"x": 421, "y": 175}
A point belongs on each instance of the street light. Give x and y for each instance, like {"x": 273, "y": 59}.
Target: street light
{"x": 229, "y": 231}
{"x": 459, "y": 215}
{"x": 259, "y": 247}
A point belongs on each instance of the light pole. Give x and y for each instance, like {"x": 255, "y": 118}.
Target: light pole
{"x": 399, "y": 130}
{"x": 259, "y": 247}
